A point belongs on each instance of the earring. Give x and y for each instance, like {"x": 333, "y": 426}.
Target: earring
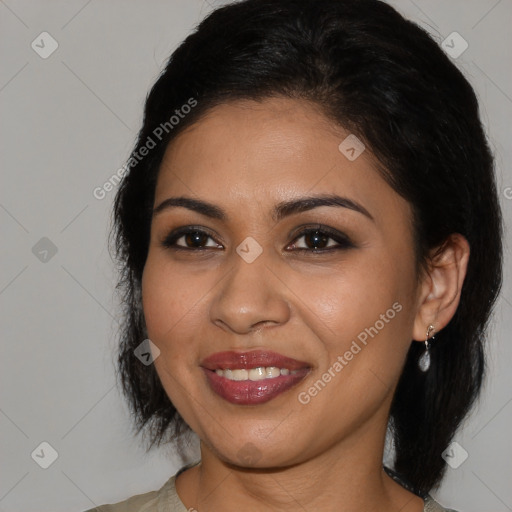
{"x": 424, "y": 360}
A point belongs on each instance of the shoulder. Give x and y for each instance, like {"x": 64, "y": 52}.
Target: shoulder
{"x": 139, "y": 503}
{"x": 431, "y": 505}
{"x": 166, "y": 498}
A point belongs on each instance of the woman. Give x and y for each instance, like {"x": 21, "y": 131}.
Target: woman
{"x": 311, "y": 239}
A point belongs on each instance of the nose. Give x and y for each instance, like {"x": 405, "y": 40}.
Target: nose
{"x": 250, "y": 297}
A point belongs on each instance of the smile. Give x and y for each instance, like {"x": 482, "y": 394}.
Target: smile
{"x": 260, "y": 373}
{"x": 252, "y": 378}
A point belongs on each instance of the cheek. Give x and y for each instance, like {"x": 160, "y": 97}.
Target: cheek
{"x": 167, "y": 296}
{"x": 354, "y": 295}
{"x": 170, "y": 300}
{"x": 363, "y": 310}
{"x": 362, "y": 318}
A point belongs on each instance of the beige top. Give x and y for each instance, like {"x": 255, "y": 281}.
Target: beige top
{"x": 166, "y": 499}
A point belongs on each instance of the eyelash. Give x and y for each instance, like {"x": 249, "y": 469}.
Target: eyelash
{"x": 342, "y": 240}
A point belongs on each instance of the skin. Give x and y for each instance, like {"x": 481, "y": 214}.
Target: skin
{"x": 245, "y": 157}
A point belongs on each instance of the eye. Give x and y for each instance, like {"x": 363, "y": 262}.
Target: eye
{"x": 190, "y": 238}
{"x": 321, "y": 239}
{"x": 316, "y": 239}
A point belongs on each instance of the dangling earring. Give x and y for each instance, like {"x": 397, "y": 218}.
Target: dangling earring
{"x": 424, "y": 360}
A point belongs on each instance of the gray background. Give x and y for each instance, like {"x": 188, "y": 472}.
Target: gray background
{"x": 68, "y": 123}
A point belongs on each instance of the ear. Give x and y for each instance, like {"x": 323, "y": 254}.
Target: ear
{"x": 441, "y": 285}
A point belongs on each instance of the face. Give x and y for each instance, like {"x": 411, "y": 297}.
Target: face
{"x": 280, "y": 285}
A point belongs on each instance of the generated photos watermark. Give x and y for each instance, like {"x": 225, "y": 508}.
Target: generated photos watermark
{"x": 305, "y": 397}
{"x": 158, "y": 133}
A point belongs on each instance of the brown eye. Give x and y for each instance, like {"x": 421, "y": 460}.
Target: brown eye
{"x": 316, "y": 240}
{"x": 321, "y": 239}
{"x": 195, "y": 239}
{"x": 189, "y": 239}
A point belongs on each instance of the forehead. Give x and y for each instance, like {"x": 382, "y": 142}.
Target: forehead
{"x": 249, "y": 153}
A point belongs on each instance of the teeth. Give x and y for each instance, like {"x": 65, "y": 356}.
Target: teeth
{"x": 257, "y": 373}
{"x": 272, "y": 371}
{"x": 260, "y": 373}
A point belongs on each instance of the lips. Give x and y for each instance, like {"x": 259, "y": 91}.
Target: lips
{"x": 248, "y": 360}
{"x": 248, "y": 392}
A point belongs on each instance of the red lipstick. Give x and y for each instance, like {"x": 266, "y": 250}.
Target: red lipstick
{"x": 229, "y": 375}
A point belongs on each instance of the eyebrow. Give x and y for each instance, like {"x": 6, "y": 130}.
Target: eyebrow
{"x": 280, "y": 211}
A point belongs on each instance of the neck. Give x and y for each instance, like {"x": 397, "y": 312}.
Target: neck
{"x": 347, "y": 476}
